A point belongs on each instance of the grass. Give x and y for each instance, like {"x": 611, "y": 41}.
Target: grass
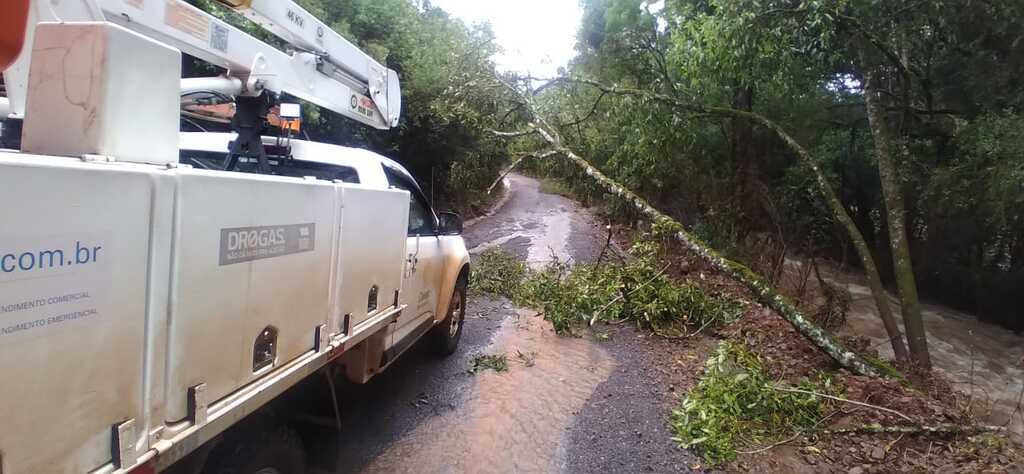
{"x": 984, "y": 446}
{"x": 734, "y": 406}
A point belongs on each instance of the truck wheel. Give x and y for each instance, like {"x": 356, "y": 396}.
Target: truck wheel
{"x": 448, "y": 332}
{"x": 267, "y": 451}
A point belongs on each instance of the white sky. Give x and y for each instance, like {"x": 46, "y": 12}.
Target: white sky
{"x": 537, "y": 36}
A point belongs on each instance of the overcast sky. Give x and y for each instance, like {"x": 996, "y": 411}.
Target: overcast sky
{"x": 538, "y": 36}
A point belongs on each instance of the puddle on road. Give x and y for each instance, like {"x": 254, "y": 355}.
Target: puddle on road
{"x": 544, "y": 240}
{"x": 550, "y": 240}
{"x": 513, "y": 421}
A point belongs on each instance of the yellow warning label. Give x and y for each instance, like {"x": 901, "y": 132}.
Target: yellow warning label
{"x": 187, "y": 20}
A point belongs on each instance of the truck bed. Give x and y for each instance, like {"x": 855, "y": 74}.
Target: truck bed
{"x": 130, "y": 294}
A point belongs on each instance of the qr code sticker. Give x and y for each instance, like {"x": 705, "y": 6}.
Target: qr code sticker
{"x": 219, "y": 37}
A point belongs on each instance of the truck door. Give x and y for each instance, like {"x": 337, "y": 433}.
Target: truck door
{"x": 422, "y": 266}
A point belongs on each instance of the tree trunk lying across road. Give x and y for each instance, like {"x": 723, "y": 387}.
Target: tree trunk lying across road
{"x": 839, "y": 212}
{"x": 762, "y": 290}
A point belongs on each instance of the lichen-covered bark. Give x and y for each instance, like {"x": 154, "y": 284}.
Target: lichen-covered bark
{"x": 843, "y": 218}
{"x": 895, "y": 218}
{"x": 762, "y": 290}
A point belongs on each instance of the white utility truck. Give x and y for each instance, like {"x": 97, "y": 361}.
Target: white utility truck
{"x": 159, "y": 289}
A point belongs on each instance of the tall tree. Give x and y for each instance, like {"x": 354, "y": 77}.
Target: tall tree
{"x": 722, "y": 43}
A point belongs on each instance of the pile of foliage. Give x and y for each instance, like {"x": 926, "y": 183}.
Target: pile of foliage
{"x": 638, "y": 289}
{"x": 497, "y": 272}
{"x": 495, "y": 362}
{"x": 765, "y": 387}
{"x": 737, "y": 404}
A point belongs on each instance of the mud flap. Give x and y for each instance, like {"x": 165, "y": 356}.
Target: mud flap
{"x": 366, "y": 359}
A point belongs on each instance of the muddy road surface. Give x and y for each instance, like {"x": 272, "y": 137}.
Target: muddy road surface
{"x": 563, "y": 405}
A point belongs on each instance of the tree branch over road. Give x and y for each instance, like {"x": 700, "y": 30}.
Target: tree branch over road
{"x": 764, "y": 293}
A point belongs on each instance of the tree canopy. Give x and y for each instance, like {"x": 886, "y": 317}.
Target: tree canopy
{"x": 944, "y": 79}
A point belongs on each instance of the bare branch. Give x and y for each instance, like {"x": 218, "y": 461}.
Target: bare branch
{"x": 844, "y": 400}
{"x": 516, "y": 134}
{"x": 795, "y": 436}
{"x": 593, "y": 110}
{"x": 516, "y": 163}
{"x": 510, "y": 112}
{"x": 945, "y": 428}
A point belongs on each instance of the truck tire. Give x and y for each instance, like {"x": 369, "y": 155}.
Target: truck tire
{"x": 446, "y": 335}
{"x": 266, "y": 451}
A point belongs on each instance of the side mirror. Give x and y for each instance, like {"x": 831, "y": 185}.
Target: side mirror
{"x": 451, "y": 223}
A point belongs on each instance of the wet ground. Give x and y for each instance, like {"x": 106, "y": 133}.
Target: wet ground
{"x": 986, "y": 362}
{"x": 563, "y": 405}
{"x": 535, "y": 226}
{"x": 575, "y": 404}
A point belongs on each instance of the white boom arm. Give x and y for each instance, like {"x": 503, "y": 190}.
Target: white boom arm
{"x": 325, "y": 69}
{"x": 340, "y": 58}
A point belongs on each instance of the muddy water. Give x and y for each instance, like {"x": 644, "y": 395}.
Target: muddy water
{"x": 546, "y": 236}
{"x": 537, "y": 227}
{"x": 982, "y": 360}
{"x": 513, "y": 421}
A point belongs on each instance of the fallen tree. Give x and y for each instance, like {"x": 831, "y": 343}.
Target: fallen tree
{"x": 764, "y": 293}
{"x": 835, "y": 206}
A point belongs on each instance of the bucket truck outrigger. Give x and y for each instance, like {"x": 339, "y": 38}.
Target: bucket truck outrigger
{"x": 160, "y": 289}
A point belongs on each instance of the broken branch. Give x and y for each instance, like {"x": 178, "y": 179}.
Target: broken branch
{"x": 516, "y": 134}
{"x": 844, "y": 400}
{"x": 944, "y": 428}
{"x": 625, "y": 295}
{"x": 516, "y": 163}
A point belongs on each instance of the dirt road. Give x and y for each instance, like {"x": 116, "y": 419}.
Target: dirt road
{"x": 564, "y": 405}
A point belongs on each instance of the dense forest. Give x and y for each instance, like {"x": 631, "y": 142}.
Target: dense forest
{"x": 946, "y": 102}
{"x": 873, "y": 133}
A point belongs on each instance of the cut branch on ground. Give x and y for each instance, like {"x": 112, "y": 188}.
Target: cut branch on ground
{"x": 843, "y": 400}
{"x": 945, "y": 429}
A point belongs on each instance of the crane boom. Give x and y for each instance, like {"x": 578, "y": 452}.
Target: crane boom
{"x": 299, "y": 28}
{"x": 323, "y": 68}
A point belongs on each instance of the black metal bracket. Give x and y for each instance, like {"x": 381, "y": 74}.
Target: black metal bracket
{"x": 10, "y": 136}
{"x": 250, "y": 123}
